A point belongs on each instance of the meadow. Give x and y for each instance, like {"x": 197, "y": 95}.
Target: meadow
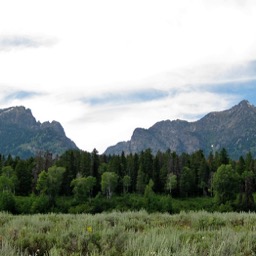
{"x": 128, "y": 234}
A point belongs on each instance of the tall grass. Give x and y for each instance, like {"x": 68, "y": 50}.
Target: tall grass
{"x": 129, "y": 234}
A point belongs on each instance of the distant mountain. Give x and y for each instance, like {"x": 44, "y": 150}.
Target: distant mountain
{"x": 233, "y": 129}
{"x": 21, "y": 135}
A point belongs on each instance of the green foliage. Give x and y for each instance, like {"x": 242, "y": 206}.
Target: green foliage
{"x": 8, "y": 179}
{"x": 149, "y": 189}
{"x": 42, "y": 182}
{"x": 109, "y": 183}
{"x": 49, "y": 183}
{"x": 83, "y": 187}
{"x": 171, "y": 182}
{"x": 23, "y": 204}
{"x": 126, "y": 183}
{"x": 41, "y": 204}
{"x": 7, "y": 202}
{"x": 23, "y": 171}
{"x": 194, "y": 204}
{"x": 187, "y": 181}
{"x": 126, "y": 179}
{"x": 225, "y": 184}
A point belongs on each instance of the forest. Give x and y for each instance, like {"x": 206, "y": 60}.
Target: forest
{"x": 87, "y": 182}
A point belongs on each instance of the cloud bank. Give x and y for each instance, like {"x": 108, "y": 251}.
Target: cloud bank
{"x": 103, "y": 68}
{"x": 14, "y": 42}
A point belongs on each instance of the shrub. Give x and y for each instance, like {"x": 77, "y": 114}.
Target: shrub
{"x": 7, "y": 202}
{"x": 41, "y": 204}
{"x": 23, "y": 204}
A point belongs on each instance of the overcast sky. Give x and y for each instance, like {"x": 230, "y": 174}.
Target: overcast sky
{"x": 104, "y": 67}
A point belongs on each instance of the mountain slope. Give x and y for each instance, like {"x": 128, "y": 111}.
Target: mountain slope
{"x": 233, "y": 129}
{"x": 21, "y": 135}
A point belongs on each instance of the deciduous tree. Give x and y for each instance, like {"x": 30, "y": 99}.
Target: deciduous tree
{"x": 109, "y": 183}
{"x": 225, "y": 184}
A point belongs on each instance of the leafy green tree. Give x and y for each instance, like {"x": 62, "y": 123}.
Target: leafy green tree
{"x": 42, "y": 182}
{"x": 225, "y": 184}
{"x": 115, "y": 166}
{"x": 149, "y": 189}
{"x": 6, "y": 184}
{"x": 49, "y": 182}
{"x": 90, "y": 184}
{"x": 8, "y": 179}
{"x": 126, "y": 183}
{"x": 171, "y": 182}
{"x": 108, "y": 183}
{"x": 82, "y": 187}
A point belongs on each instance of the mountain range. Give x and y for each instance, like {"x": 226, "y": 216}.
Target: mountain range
{"x": 233, "y": 129}
{"x": 21, "y": 135}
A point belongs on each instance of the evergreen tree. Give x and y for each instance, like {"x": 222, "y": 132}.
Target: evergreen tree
{"x": 145, "y": 170}
{"x": 95, "y": 163}
{"x": 85, "y": 164}
{"x": 70, "y": 160}
{"x": 187, "y": 182}
{"x": 132, "y": 167}
{"x": 23, "y": 172}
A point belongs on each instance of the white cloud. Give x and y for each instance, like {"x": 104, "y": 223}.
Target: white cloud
{"x": 114, "y": 50}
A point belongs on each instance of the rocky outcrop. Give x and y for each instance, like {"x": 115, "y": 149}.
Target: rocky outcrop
{"x": 233, "y": 129}
{"x": 21, "y": 135}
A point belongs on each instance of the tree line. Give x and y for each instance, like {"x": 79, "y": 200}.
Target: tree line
{"x": 84, "y": 176}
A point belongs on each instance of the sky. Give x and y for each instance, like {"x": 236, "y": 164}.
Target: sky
{"x": 103, "y": 68}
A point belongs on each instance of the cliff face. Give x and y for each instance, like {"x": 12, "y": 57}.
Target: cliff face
{"x": 233, "y": 129}
{"x": 21, "y": 135}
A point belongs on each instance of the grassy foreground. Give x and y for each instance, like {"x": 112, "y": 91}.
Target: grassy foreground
{"x": 129, "y": 233}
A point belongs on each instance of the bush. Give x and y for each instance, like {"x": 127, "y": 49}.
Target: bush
{"x": 7, "y": 202}
{"x": 156, "y": 203}
{"x": 41, "y": 204}
{"x": 23, "y": 204}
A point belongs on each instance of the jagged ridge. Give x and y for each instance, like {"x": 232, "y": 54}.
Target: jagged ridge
{"x": 233, "y": 129}
{"x": 21, "y": 135}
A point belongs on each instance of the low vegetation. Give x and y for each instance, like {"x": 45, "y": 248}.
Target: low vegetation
{"x": 129, "y": 233}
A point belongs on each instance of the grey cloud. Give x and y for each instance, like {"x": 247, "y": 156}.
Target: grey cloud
{"x": 127, "y": 97}
{"x": 22, "y": 41}
{"x": 20, "y": 95}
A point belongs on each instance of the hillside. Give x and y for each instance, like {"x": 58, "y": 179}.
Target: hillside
{"x": 233, "y": 129}
{"x": 21, "y": 135}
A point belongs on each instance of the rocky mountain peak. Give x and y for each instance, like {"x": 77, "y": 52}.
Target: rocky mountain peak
{"x": 56, "y": 126}
{"x": 21, "y": 135}
{"x": 233, "y": 129}
{"x": 18, "y": 115}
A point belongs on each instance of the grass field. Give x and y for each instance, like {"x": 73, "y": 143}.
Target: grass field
{"x": 129, "y": 233}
